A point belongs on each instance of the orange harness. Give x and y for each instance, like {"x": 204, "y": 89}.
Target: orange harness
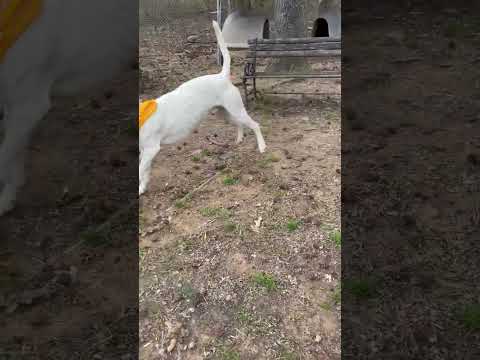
{"x": 145, "y": 110}
{"x": 15, "y": 18}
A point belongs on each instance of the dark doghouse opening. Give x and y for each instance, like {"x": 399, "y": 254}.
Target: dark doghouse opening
{"x": 320, "y": 28}
{"x": 266, "y": 30}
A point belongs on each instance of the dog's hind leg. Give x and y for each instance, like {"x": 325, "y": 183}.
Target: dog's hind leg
{"x": 145, "y": 167}
{"x": 238, "y": 113}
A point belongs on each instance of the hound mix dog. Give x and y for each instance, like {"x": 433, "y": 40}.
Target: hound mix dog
{"x": 173, "y": 116}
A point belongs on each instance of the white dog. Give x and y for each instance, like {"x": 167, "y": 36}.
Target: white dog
{"x": 70, "y": 47}
{"x": 179, "y": 112}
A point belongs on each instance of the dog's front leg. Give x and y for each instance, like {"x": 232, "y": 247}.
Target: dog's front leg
{"x": 145, "y": 167}
{"x": 19, "y": 122}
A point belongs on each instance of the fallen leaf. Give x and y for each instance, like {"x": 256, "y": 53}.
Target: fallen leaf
{"x": 257, "y": 225}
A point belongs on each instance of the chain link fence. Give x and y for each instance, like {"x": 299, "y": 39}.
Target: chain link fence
{"x": 159, "y": 12}
{"x": 175, "y": 34}
{"x": 165, "y": 26}
{"x": 160, "y": 17}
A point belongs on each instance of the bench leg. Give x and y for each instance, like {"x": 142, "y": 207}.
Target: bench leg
{"x": 255, "y": 88}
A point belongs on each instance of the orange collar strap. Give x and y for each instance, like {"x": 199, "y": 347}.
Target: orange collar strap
{"x": 15, "y": 18}
{"x": 145, "y": 110}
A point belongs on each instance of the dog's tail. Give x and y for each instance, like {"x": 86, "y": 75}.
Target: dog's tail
{"x": 223, "y": 49}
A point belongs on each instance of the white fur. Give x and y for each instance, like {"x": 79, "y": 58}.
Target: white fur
{"x": 73, "y": 46}
{"x": 180, "y": 111}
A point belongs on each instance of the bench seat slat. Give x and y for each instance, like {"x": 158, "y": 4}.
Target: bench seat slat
{"x": 295, "y": 53}
{"x": 295, "y": 40}
{"x": 294, "y": 47}
{"x": 293, "y": 76}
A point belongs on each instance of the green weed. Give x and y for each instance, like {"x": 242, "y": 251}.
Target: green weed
{"x": 265, "y": 281}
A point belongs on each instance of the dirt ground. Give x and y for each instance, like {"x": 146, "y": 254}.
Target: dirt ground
{"x": 68, "y": 291}
{"x": 410, "y": 176}
{"x": 240, "y": 251}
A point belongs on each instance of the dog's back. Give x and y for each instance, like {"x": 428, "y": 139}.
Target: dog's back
{"x": 180, "y": 110}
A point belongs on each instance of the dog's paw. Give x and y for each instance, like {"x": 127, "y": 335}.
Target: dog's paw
{"x": 262, "y": 148}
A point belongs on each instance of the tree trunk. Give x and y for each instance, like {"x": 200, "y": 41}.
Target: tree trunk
{"x": 289, "y": 22}
{"x": 289, "y": 19}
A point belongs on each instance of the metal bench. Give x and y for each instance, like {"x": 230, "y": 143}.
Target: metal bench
{"x": 293, "y": 47}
